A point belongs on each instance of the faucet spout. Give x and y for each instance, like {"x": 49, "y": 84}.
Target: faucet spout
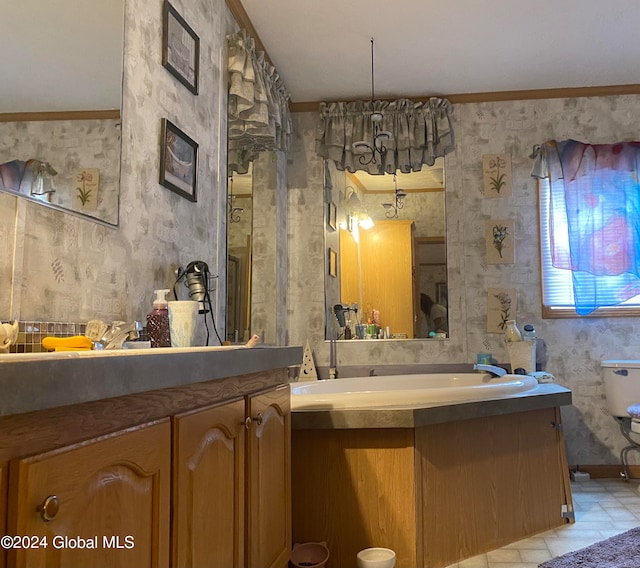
{"x": 333, "y": 359}
{"x": 493, "y": 369}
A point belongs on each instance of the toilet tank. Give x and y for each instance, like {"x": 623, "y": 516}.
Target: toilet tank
{"x": 621, "y": 385}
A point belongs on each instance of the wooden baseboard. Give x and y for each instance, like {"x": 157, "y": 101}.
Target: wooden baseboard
{"x": 607, "y": 471}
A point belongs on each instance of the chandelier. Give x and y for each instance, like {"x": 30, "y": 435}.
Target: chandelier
{"x": 392, "y": 208}
{"x": 370, "y": 153}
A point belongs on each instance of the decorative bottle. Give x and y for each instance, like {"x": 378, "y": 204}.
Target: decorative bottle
{"x": 511, "y": 331}
{"x": 528, "y": 333}
{"x": 158, "y": 321}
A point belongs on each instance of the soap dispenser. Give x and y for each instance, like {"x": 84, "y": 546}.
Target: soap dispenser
{"x": 158, "y": 321}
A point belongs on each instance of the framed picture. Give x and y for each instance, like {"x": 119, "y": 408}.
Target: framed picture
{"x": 180, "y": 48}
{"x": 331, "y": 215}
{"x": 178, "y": 161}
{"x": 333, "y": 263}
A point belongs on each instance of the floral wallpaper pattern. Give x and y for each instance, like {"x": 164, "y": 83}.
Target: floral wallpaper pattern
{"x": 69, "y": 146}
{"x": 71, "y": 269}
{"x": 574, "y": 347}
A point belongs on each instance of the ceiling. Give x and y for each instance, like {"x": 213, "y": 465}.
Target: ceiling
{"x": 429, "y": 178}
{"x": 61, "y": 56}
{"x": 322, "y": 50}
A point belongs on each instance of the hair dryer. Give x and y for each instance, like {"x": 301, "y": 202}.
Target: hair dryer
{"x": 197, "y": 276}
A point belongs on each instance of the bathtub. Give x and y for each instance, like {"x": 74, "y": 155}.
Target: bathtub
{"x": 405, "y": 391}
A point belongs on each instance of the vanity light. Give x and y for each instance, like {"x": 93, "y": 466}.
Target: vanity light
{"x": 392, "y": 208}
{"x": 365, "y": 221}
{"x": 356, "y": 214}
{"x": 369, "y": 151}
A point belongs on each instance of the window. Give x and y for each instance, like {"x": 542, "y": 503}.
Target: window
{"x": 589, "y": 205}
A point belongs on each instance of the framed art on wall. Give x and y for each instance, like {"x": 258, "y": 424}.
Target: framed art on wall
{"x": 180, "y": 48}
{"x": 331, "y": 215}
{"x": 178, "y": 161}
{"x": 333, "y": 263}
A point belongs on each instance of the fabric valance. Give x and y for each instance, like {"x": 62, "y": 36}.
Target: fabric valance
{"x": 421, "y": 131}
{"x": 258, "y": 108}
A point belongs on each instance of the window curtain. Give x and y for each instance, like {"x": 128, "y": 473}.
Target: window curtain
{"x": 422, "y": 132}
{"x": 258, "y": 108}
{"x": 594, "y": 218}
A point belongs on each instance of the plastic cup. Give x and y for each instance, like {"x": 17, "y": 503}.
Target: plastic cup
{"x": 182, "y": 322}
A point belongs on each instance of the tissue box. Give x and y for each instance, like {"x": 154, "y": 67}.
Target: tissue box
{"x": 522, "y": 354}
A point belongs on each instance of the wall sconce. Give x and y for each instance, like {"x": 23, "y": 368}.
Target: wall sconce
{"x": 234, "y": 212}
{"x": 356, "y": 214}
{"x": 392, "y": 208}
{"x": 369, "y": 151}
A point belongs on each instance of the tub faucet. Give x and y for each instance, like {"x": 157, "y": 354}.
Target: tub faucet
{"x": 495, "y": 371}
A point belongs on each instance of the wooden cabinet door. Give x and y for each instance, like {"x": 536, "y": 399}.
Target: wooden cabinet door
{"x": 113, "y": 495}
{"x": 269, "y": 479}
{"x": 208, "y": 509}
{"x": 4, "y": 491}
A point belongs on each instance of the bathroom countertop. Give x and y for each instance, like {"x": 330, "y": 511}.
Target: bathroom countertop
{"x": 547, "y": 395}
{"x": 30, "y": 382}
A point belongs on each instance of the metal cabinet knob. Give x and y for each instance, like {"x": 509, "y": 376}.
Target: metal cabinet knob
{"x": 49, "y": 508}
{"x": 248, "y": 421}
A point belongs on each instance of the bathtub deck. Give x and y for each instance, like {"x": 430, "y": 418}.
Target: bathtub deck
{"x": 436, "y": 484}
{"x": 548, "y": 395}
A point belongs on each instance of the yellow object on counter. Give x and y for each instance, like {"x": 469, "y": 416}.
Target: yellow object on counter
{"x": 75, "y": 343}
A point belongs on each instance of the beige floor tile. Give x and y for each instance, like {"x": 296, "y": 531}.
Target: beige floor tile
{"x": 475, "y": 562}
{"x": 533, "y": 543}
{"x": 504, "y": 555}
{"x": 535, "y": 555}
{"x": 603, "y": 509}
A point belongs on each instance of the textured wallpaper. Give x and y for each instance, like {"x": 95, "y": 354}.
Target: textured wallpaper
{"x": 68, "y": 268}
{"x": 71, "y": 269}
{"x": 70, "y": 146}
{"x": 574, "y": 347}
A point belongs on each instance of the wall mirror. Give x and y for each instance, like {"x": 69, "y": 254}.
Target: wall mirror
{"x": 386, "y": 273}
{"x": 239, "y": 241}
{"x": 60, "y": 101}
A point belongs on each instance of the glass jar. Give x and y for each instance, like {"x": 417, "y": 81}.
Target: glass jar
{"x": 511, "y": 331}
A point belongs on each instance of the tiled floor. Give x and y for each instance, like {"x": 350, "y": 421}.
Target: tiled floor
{"x": 603, "y": 507}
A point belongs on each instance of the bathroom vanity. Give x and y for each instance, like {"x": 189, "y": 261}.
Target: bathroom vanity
{"x": 437, "y": 484}
{"x": 168, "y": 457}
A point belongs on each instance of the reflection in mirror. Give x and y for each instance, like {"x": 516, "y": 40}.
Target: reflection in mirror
{"x": 391, "y": 277}
{"x": 60, "y": 102}
{"x": 239, "y": 236}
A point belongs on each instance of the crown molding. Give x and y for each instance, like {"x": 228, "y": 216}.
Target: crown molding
{"x": 59, "y": 115}
{"x": 499, "y": 96}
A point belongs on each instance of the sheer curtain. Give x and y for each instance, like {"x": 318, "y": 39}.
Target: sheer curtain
{"x": 422, "y": 132}
{"x": 594, "y": 218}
{"x": 258, "y": 108}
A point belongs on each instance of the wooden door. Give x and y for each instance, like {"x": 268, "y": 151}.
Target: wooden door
{"x": 208, "y": 511}
{"x": 384, "y": 273}
{"x": 269, "y": 480}
{"x": 113, "y": 502}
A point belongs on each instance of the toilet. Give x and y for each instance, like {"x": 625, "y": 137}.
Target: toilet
{"x": 622, "y": 392}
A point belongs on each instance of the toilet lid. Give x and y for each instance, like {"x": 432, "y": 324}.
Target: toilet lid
{"x": 634, "y": 410}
